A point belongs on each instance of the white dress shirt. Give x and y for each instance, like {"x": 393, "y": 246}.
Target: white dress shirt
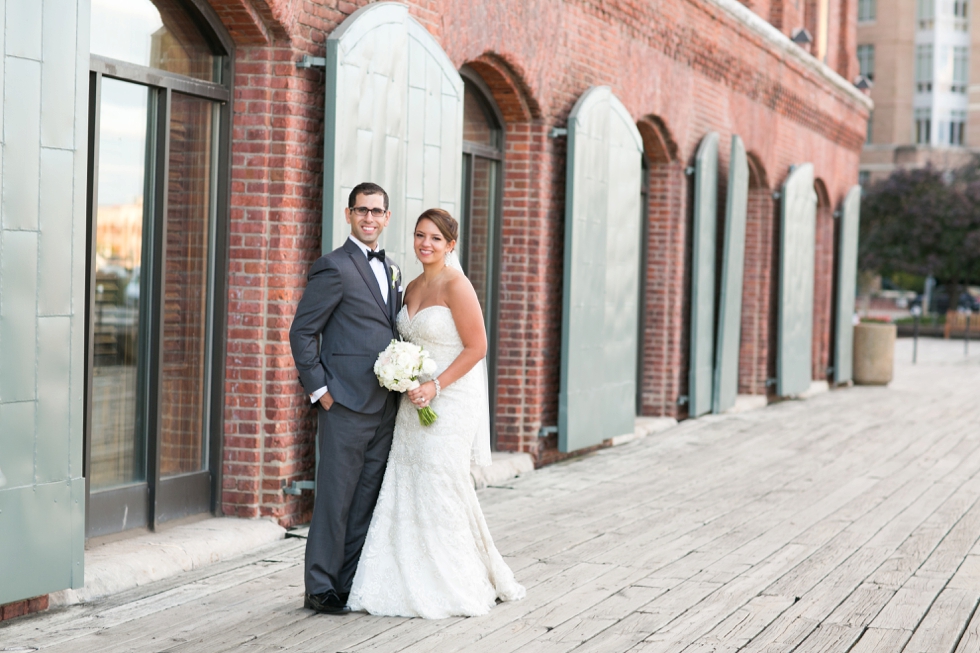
{"x": 379, "y": 272}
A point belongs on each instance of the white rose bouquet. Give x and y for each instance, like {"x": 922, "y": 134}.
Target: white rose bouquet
{"x": 398, "y": 368}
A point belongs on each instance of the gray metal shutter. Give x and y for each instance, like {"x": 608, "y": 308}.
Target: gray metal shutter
{"x": 796, "y": 258}
{"x": 394, "y": 116}
{"x": 602, "y": 267}
{"x": 846, "y": 285}
{"x": 701, "y": 370}
{"x": 732, "y": 268}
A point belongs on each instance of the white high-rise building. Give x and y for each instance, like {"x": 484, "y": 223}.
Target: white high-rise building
{"x": 917, "y": 53}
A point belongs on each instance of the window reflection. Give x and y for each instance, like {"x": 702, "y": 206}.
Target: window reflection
{"x": 183, "y": 447}
{"x": 157, "y": 34}
{"x": 478, "y": 125}
{"x": 118, "y": 445}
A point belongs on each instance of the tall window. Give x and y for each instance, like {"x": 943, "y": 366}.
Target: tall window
{"x": 961, "y": 59}
{"x": 867, "y": 137}
{"x": 926, "y": 13}
{"x": 923, "y": 125}
{"x": 960, "y": 15}
{"x": 157, "y": 127}
{"x": 923, "y": 68}
{"x": 867, "y": 10}
{"x": 957, "y": 128}
{"x": 866, "y": 60}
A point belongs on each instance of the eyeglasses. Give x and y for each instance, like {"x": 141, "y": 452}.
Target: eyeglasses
{"x": 363, "y": 211}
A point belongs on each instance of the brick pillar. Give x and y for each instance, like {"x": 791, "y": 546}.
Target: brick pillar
{"x": 823, "y": 290}
{"x": 761, "y": 279}
{"x": 274, "y": 238}
{"x": 530, "y": 289}
{"x": 666, "y": 325}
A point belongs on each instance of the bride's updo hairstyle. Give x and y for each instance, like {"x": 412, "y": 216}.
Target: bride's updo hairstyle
{"x": 446, "y": 223}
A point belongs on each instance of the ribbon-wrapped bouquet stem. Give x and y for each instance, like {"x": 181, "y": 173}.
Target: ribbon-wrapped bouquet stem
{"x": 399, "y": 367}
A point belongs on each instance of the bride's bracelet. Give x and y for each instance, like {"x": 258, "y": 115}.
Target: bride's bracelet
{"x": 438, "y": 387}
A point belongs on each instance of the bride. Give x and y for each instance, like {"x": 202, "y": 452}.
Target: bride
{"x": 428, "y": 552}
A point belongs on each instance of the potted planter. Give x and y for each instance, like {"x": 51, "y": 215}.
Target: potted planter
{"x": 874, "y": 352}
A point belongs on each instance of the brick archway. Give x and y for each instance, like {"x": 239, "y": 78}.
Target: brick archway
{"x": 254, "y": 22}
{"x": 663, "y": 352}
{"x": 823, "y": 284}
{"x": 530, "y": 284}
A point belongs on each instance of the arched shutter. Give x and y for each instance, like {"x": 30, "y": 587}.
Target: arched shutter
{"x": 602, "y": 268}
{"x": 796, "y": 258}
{"x": 393, "y": 116}
{"x": 846, "y": 285}
{"x": 701, "y": 370}
{"x": 732, "y": 268}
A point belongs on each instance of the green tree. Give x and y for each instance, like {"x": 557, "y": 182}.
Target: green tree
{"x": 924, "y": 222}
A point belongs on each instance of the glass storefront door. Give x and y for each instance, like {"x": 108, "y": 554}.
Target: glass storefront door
{"x": 157, "y": 178}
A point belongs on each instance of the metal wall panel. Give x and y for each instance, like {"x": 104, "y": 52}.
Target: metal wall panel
{"x": 602, "y": 259}
{"x": 21, "y": 143}
{"x": 24, "y": 40}
{"x": 796, "y": 259}
{"x": 846, "y": 285}
{"x": 54, "y": 291}
{"x": 18, "y": 314}
{"x": 394, "y": 116}
{"x": 36, "y": 540}
{"x": 732, "y": 268}
{"x": 701, "y": 370}
{"x": 52, "y": 440}
{"x": 42, "y": 277}
{"x": 57, "y": 74}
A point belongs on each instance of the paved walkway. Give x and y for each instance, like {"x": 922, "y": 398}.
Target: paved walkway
{"x": 848, "y": 522}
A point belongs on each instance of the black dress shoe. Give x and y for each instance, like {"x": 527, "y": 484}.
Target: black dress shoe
{"x": 328, "y": 602}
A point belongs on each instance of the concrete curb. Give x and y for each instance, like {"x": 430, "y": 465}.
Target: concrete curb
{"x": 124, "y": 564}
{"x": 505, "y": 466}
{"x": 644, "y": 426}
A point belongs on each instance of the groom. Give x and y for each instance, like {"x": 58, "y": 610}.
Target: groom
{"x": 349, "y": 305}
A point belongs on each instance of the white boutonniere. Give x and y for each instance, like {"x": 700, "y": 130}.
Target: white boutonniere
{"x": 395, "y": 275}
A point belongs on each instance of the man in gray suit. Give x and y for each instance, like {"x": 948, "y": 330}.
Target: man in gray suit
{"x": 349, "y": 305}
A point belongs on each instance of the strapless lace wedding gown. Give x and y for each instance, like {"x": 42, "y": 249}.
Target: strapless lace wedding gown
{"x": 428, "y": 551}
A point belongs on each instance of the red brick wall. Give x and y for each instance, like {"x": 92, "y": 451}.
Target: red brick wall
{"x": 274, "y": 237}
{"x": 20, "y": 608}
{"x": 682, "y": 64}
{"x": 823, "y": 283}
{"x": 759, "y": 287}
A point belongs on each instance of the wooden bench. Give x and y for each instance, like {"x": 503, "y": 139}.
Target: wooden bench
{"x": 956, "y": 324}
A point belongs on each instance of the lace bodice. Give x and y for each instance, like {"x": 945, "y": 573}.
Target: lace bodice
{"x": 434, "y": 329}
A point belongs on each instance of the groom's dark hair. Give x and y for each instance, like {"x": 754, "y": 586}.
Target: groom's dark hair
{"x": 366, "y": 188}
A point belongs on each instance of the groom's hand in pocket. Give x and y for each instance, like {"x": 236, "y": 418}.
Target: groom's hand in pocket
{"x": 326, "y": 401}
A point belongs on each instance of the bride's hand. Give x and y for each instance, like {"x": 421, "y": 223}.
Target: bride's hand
{"x": 422, "y": 395}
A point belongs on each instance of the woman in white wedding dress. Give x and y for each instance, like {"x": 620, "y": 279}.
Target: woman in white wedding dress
{"x": 428, "y": 551}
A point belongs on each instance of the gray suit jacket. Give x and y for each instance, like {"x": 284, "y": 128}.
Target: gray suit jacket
{"x": 342, "y": 306}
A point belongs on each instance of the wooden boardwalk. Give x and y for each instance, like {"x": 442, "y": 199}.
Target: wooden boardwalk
{"x": 848, "y": 522}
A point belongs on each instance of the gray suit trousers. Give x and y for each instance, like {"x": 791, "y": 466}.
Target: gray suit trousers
{"x": 353, "y": 454}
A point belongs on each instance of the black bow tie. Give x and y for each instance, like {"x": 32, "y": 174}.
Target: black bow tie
{"x": 380, "y": 255}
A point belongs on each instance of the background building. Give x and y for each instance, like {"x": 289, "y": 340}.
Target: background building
{"x": 920, "y": 58}
{"x": 170, "y": 174}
